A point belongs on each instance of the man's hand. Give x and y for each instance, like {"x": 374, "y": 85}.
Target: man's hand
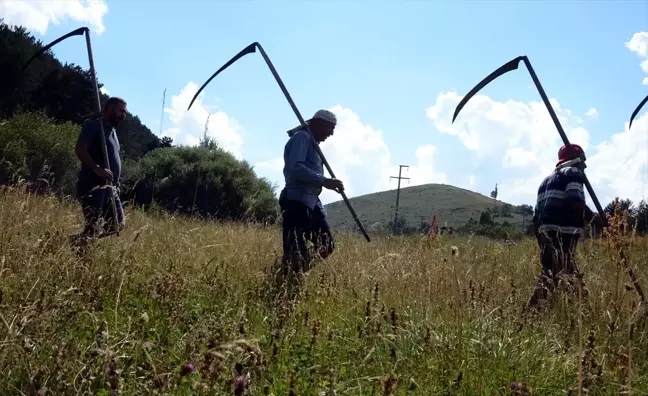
{"x": 103, "y": 173}
{"x": 334, "y": 184}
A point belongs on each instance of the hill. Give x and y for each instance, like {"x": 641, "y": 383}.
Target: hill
{"x": 452, "y": 204}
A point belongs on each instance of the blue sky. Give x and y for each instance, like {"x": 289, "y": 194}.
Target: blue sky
{"x": 387, "y": 66}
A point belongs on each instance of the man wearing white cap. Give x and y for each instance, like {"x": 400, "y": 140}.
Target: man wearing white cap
{"x": 302, "y": 211}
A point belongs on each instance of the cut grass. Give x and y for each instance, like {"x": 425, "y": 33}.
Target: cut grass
{"x": 176, "y": 306}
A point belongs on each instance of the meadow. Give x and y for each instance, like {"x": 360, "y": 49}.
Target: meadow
{"x": 184, "y": 307}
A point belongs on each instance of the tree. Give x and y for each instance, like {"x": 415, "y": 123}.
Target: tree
{"x": 400, "y": 227}
{"x": 622, "y": 204}
{"x": 507, "y": 210}
{"x": 63, "y": 92}
{"x": 200, "y": 181}
{"x": 641, "y": 217}
{"x": 525, "y": 210}
{"x": 493, "y": 193}
{"x": 485, "y": 218}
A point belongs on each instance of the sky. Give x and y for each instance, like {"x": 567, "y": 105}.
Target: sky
{"x": 393, "y": 73}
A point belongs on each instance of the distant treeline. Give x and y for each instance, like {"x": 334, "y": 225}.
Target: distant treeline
{"x": 41, "y": 114}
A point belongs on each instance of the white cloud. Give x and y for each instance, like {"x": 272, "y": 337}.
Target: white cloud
{"x": 639, "y": 45}
{"x": 188, "y": 127}
{"x": 592, "y": 112}
{"x": 37, "y": 15}
{"x": 619, "y": 166}
{"x": 104, "y": 90}
{"x": 522, "y": 139}
{"x": 359, "y": 156}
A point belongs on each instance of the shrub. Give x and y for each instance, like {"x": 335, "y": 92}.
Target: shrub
{"x": 34, "y": 148}
{"x": 205, "y": 181}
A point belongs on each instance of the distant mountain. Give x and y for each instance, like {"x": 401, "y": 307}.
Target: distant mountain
{"x": 451, "y": 204}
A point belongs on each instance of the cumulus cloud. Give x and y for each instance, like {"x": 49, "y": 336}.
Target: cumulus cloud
{"x": 104, "y": 91}
{"x": 188, "y": 127}
{"x": 359, "y": 156}
{"x": 592, "y": 112}
{"x": 522, "y": 140}
{"x": 37, "y": 15}
{"x": 618, "y": 166}
{"x": 639, "y": 45}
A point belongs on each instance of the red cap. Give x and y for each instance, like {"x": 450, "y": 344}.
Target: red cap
{"x": 565, "y": 155}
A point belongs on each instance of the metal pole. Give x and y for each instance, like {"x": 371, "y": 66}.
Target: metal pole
{"x": 555, "y": 120}
{"x": 400, "y": 169}
{"x": 102, "y": 134}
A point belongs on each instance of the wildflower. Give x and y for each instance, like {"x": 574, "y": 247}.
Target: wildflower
{"x": 187, "y": 369}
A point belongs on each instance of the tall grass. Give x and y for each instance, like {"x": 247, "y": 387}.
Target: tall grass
{"x": 179, "y": 307}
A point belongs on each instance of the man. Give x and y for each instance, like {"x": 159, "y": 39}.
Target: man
{"x": 94, "y": 175}
{"x": 559, "y": 221}
{"x": 302, "y": 211}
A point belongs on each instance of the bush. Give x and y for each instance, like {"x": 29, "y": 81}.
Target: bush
{"x": 205, "y": 181}
{"x": 34, "y": 148}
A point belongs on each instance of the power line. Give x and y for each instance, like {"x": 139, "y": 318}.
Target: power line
{"x": 400, "y": 169}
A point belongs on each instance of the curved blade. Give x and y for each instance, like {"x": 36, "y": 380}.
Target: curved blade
{"x": 509, "y": 66}
{"x": 247, "y": 50}
{"x": 76, "y": 32}
{"x": 636, "y": 111}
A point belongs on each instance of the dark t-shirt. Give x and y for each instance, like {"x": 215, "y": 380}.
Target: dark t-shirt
{"x": 90, "y": 135}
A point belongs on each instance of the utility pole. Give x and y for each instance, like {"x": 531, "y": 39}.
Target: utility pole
{"x": 400, "y": 169}
{"x": 162, "y": 116}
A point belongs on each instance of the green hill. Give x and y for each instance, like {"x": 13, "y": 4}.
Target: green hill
{"x": 451, "y": 204}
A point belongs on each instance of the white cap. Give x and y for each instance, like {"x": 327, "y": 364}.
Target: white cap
{"x": 326, "y": 116}
{"x": 322, "y": 115}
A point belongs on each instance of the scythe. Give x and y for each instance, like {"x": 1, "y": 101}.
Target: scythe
{"x": 513, "y": 65}
{"x": 97, "y": 114}
{"x": 636, "y": 111}
{"x": 250, "y": 49}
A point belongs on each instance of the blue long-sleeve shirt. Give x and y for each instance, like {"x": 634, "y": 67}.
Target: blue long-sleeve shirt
{"x": 303, "y": 170}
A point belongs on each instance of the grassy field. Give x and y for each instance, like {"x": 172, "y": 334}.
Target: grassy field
{"x": 179, "y": 307}
{"x": 452, "y": 204}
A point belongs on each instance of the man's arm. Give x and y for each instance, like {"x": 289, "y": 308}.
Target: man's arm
{"x": 81, "y": 150}
{"x": 295, "y": 161}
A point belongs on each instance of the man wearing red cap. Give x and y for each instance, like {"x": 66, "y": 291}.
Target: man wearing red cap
{"x": 559, "y": 220}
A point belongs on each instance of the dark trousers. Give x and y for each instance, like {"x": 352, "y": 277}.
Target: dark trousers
{"x": 557, "y": 252}
{"x": 97, "y": 209}
{"x": 302, "y": 224}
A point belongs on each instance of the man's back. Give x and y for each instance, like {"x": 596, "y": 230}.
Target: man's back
{"x": 303, "y": 171}
{"x": 557, "y": 195}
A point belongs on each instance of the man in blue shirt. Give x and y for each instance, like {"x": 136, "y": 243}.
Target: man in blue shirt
{"x": 559, "y": 221}
{"x": 303, "y": 215}
{"x": 94, "y": 175}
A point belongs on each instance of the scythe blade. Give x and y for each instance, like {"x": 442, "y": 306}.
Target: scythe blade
{"x": 252, "y": 48}
{"x": 247, "y": 50}
{"x": 636, "y": 111}
{"x": 77, "y": 32}
{"x": 509, "y": 66}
